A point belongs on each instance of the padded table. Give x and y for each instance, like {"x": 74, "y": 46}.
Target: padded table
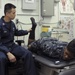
{"x": 53, "y": 63}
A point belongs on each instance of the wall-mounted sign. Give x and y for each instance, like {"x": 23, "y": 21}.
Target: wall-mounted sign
{"x": 29, "y": 1}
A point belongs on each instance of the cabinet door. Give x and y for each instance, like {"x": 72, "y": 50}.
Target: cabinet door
{"x": 47, "y": 7}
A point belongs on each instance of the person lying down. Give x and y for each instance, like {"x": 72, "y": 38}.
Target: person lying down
{"x": 54, "y": 48}
{"x": 51, "y": 47}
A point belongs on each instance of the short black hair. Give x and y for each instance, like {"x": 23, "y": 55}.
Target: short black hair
{"x": 8, "y": 7}
{"x": 71, "y": 47}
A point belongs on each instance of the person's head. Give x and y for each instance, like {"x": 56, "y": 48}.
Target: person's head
{"x": 9, "y": 11}
{"x": 69, "y": 51}
{"x": 67, "y": 54}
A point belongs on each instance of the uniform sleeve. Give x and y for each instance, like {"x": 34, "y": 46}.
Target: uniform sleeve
{"x": 19, "y": 32}
{"x": 2, "y": 47}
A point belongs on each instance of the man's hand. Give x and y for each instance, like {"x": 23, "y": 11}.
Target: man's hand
{"x": 29, "y": 30}
{"x": 11, "y": 57}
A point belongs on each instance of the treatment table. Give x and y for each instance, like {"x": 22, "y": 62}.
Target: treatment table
{"x": 49, "y": 66}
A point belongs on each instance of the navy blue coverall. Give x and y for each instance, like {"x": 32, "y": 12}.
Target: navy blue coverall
{"x": 7, "y": 33}
{"x": 50, "y": 47}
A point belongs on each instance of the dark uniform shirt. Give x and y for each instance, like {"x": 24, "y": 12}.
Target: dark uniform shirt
{"x": 50, "y": 47}
{"x": 7, "y": 33}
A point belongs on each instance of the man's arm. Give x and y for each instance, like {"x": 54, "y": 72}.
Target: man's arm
{"x": 2, "y": 47}
{"x": 20, "y": 32}
{"x": 5, "y": 50}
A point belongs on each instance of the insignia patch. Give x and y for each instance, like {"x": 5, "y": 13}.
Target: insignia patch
{"x": 13, "y": 29}
{"x": 3, "y": 24}
{"x": 5, "y": 31}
